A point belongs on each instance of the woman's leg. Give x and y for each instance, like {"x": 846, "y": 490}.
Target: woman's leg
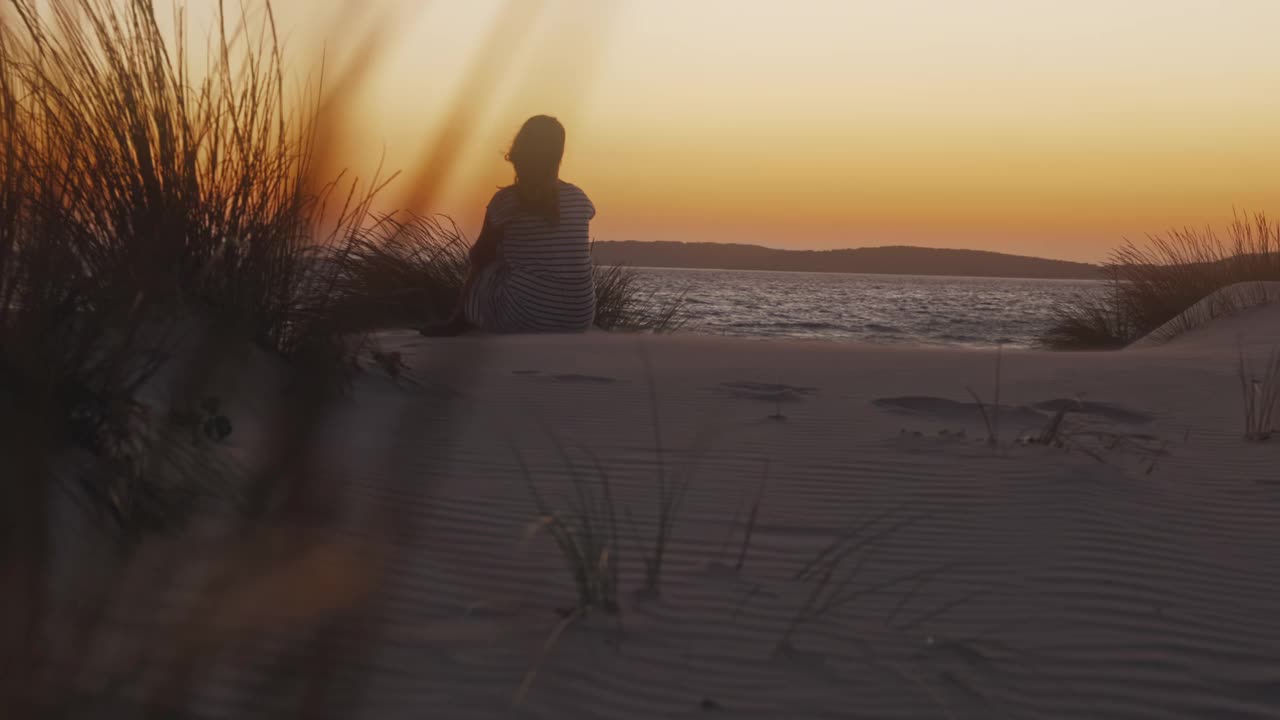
{"x": 457, "y": 323}
{"x": 482, "y": 254}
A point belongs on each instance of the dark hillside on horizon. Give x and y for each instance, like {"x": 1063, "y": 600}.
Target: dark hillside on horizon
{"x": 894, "y": 260}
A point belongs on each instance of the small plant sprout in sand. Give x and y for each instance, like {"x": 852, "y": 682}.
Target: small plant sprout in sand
{"x": 1052, "y": 433}
{"x": 1261, "y": 393}
{"x": 586, "y": 531}
{"x": 1058, "y": 432}
{"x": 991, "y": 419}
{"x": 1101, "y": 444}
{"x": 586, "y": 534}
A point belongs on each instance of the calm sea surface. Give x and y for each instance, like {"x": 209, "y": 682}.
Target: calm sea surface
{"x": 975, "y": 312}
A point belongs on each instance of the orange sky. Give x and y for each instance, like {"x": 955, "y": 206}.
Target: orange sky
{"x": 1044, "y": 127}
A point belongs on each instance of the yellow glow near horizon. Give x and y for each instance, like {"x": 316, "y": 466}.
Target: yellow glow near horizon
{"x": 1043, "y": 127}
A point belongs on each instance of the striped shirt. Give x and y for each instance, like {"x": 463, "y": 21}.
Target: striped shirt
{"x": 542, "y": 280}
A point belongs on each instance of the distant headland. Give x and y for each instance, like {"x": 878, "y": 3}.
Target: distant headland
{"x": 895, "y": 260}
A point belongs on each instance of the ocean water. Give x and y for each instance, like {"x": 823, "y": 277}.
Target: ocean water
{"x": 973, "y": 312}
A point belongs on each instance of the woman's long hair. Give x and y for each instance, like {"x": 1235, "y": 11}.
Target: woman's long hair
{"x": 536, "y": 153}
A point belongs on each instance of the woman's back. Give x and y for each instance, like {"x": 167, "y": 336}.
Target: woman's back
{"x": 543, "y": 281}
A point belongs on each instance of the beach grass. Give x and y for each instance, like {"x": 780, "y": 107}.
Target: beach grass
{"x": 585, "y": 524}
{"x": 139, "y": 206}
{"x": 1090, "y": 321}
{"x": 401, "y": 271}
{"x": 586, "y": 534}
{"x": 621, "y": 303}
{"x": 143, "y": 205}
{"x": 1152, "y": 284}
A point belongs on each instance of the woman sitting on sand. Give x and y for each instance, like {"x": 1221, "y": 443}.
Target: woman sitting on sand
{"x": 531, "y": 266}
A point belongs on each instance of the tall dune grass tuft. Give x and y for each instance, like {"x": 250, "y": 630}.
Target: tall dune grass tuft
{"x": 177, "y": 190}
{"x": 621, "y": 304}
{"x": 1153, "y": 284}
{"x": 1090, "y": 321}
{"x": 138, "y": 204}
{"x": 585, "y": 532}
{"x": 142, "y": 207}
{"x": 400, "y": 272}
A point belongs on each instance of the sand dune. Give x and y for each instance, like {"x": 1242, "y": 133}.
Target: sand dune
{"x": 1132, "y": 573}
{"x": 1214, "y": 319}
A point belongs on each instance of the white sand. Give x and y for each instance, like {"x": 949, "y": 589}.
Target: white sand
{"x": 1043, "y": 582}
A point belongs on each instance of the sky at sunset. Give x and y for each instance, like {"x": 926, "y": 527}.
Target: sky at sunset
{"x": 1044, "y": 127}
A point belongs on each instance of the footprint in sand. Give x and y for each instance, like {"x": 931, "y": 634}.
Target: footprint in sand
{"x": 588, "y": 379}
{"x": 952, "y": 410}
{"x": 569, "y": 377}
{"x": 1104, "y": 411}
{"x": 766, "y": 392}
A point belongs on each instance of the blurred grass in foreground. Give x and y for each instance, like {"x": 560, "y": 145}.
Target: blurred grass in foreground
{"x": 159, "y": 230}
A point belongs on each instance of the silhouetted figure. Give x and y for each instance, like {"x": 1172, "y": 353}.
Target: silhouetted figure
{"x": 531, "y": 266}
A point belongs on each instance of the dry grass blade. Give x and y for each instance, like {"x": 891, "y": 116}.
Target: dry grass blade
{"x": 670, "y": 490}
{"x": 1261, "y": 395}
{"x": 1052, "y": 432}
{"x": 936, "y": 612}
{"x": 673, "y": 484}
{"x": 552, "y": 639}
{"x": 986, "y": 417}
{"x": 991, "y": 419}
{"x": 732, "y": 530}
{"x": 845, "y": 541}
{"x": 832, "y": 582}
{"x": 751, "y": 518}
